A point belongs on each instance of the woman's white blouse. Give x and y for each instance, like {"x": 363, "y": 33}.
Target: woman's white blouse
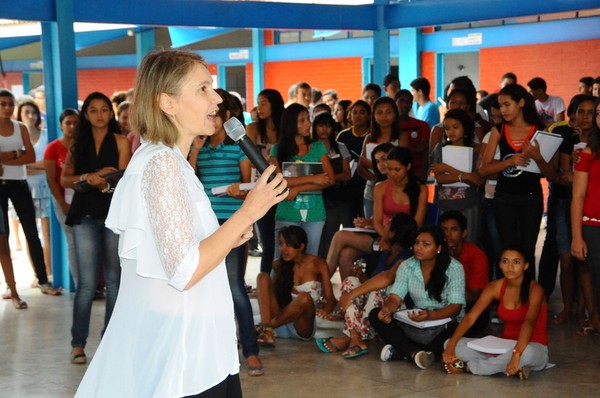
{"x": 162, "y": 340}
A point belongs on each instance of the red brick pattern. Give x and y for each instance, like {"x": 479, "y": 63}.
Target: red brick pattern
{"x": 561, "y": 65}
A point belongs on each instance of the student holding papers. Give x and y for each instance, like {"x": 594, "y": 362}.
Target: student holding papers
{"x": 453, "y": 163}
{"x": 436, "y": 284}
{"x": 523, "y": 309}
{"x": 518, "y": 201}
{"x": 219, "y": 163}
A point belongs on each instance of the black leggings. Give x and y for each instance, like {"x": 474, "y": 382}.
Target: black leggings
{"x": 228, "y": 388}
{"x": 393, "y": 334}
{"x": 18, "y": 192}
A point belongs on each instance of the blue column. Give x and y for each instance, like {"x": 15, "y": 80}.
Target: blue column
{"x": 144, "y": 43}
{"x": 258, "y": 60}
{"x": 60, "y": 83}
{"x": 381, "y": 46}
{"x": 409, "y": 55}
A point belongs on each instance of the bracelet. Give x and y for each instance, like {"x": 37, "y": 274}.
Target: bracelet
{"x": 84, "y": 176}
{"x": 515, "y": 351}
{"x": 459, "y": 177}
{"x": 108, "y": 189}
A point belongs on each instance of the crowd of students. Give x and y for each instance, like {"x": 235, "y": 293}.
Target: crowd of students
{"x": 375, "y": 157}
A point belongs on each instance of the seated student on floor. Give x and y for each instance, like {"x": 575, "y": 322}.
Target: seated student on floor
{"x": 436, "y": 284}
{"x": 288, "y": 303}
{"x": 402, "y": 192}
{"x": 473, "y": 260}
{"x": 360, "y": 296}
{"x": 524, "y": 311}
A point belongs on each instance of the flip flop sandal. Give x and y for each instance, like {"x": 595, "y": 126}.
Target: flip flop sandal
{"x": 78, "y": 359}
{"x": 354, "y": 351}
{"x": 255, "y": 371}
{"x": 587, "y": 331}
{"x": 323, "y": 345}
{"x": 455, "y": 367}
{"x": 19, "y": 304}
{"x": 523, "y": 373}
{"x": 7, "y": 295}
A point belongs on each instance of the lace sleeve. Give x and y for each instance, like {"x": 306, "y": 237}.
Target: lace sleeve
{"x": 169, "y": 209}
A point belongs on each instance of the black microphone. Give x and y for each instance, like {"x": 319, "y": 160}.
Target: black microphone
{"x": 236, "y": 131}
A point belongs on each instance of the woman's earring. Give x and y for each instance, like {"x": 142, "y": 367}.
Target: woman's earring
{"x": 439, "y": 251}
{"x": 173, "y": 115}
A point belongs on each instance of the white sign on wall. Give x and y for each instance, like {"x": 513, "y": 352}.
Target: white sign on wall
{"x": 242, "y": 54}
{"x": 472, "y": 39}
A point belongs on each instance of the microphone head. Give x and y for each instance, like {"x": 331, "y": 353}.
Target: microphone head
{"x": 234, "y": 129}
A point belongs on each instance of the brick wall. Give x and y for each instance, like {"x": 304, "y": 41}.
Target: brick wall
{"x": 427, "y": 71}
{"x": 106, "y": 81}
{"x": 10, "y": 79}
{"x": 561, "y": 65}
{"x": 342, "y": 74}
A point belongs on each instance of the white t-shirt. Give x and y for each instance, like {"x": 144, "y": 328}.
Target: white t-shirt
{"x": 549, "y": 109}
{"x": 163, "y": 341}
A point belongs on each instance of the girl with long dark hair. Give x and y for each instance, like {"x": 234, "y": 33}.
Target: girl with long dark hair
{"x": 436, "y": 284}
{"x": 518, "y": 201}
{"x": 219, "y": 162}
{"x": 288, "y": 303}
{"x": 265, "y": 133}
{"x": 385, "y": 127}
{"x": 337, "y": 206}
{"x": 16, "y": 151}
{"x": 304, "y": 206}
{"x": 98, "y": 149}
{"x": 460, "y": 131}
{"x": 522, "y": 308}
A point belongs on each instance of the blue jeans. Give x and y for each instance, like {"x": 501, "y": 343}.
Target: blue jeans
{"x": 266, "y": 229}
{"x": 313, "y": 232}
{"x": 95, "y": 245}
{"x": 236, "y": 269}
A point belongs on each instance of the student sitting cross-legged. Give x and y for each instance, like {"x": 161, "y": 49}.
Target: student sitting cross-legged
{"x": 436, "y": 284}
{"x": 288, "y": 303}
{"x": 523, "y": 310}
{"x": 360, "y": 296}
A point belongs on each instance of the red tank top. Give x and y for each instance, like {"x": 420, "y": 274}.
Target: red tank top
{"x": 391, "y": 208}
{"x": 513, "y": 319}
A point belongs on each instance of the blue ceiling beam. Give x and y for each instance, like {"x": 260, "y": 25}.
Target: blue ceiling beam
{"x": 227, "y": 14}
{"x": 181, "y": 37}
{"x": 267, "y": 15}
{"x": 29, "y": 10}
{"x": 443, "y": 12}
{"x": 89, "y": 39}
{"x": 10, "y": 42}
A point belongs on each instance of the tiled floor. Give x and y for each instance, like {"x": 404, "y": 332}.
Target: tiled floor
{"x": 34, "y": 360}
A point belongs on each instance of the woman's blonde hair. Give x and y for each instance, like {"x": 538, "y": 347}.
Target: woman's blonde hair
{"x": 161, "y": 72}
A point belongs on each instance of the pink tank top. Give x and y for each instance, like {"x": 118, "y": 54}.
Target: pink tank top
{"x": 391, "y": 208}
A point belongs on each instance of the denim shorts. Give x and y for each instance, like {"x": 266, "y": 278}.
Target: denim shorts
{"x": 288, "y": 331}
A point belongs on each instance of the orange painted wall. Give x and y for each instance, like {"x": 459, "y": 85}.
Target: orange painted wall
{"x": 561, "y": 65}
{"x": 106, "y": 81}
{"x": 427, "y": 71}
{"x": 342, "y": 74}
{"x": 10, "y": 79}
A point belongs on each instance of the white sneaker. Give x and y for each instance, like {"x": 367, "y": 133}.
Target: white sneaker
{"x": 424, "y": 359}
{"x": 388, "y": 353}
